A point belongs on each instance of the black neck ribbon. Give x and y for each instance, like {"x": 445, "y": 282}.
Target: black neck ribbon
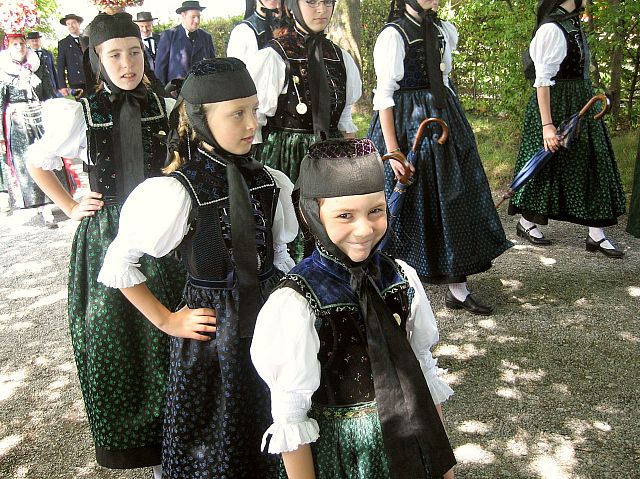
{"x": 413, "y": 435}
{"x": 320, "y": 101}
{"x": 433, "y": 57}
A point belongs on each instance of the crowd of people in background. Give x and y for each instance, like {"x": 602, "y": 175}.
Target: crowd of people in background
{"x": 215, "y": 181}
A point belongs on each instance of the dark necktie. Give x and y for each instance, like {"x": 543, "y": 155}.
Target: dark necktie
{"x": 192, "y": 36}
{"x": 77, "y": 40}
{"x": 39, "y": 52}
{"x": 149, "y": 42}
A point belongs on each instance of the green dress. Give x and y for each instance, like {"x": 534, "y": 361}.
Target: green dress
{"x": 633, "y": 222}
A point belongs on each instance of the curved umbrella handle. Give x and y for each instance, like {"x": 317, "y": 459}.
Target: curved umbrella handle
{"x": 444, "y": 136}
{"x": 601, "y": 97}
{"x": 399, "y": 156}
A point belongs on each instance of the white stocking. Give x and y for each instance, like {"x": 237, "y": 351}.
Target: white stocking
{"x": 157, "y": 472}
{"x": 526, "y": 224}
{"x": 459, "y": 290}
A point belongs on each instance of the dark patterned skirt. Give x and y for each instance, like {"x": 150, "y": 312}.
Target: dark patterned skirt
{"x": 122, "y": 358}
{"x": 581, "y": 185}
{"x": 448, "y": 226}
{"x": 633, "y": 223}
{"x": 218, "y": 407}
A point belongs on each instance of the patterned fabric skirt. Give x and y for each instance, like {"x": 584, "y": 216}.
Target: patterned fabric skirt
{"x": 580, "y": 185}
{"x": 218, "y": 407}
{"x": 633, "y": 223}
{"x": 122, "y": 358}
{"x": 23, "y": 126}
{"x": 448, "y": 226}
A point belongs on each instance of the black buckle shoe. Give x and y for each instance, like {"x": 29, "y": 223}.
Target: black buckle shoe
{"x": 593, "y": 246}
{"x": 469, "y": 304}
{"x": 525, "y": 233}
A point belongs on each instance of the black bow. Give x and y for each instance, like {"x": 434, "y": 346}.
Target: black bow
{"x": 433, "y": 57}
{"x": 320, "y": 100}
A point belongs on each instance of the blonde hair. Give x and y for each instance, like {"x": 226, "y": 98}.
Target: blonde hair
{"x": 184, "y": 129}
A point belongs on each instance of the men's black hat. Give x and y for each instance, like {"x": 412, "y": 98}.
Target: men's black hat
{"x": 144, "y": 17}
{"x": 190, "y": 6}
{"x": 33, "y": 35}
{"x": 70, "y": 16}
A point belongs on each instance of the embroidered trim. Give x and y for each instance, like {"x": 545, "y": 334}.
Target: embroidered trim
{"x": 314, "y": 301}
{"x": 89, "y": 118}
{"x": 306, "y": 59}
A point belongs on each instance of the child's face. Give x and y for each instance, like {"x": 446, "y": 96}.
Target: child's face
{"x": 233, "y": 123}
{"x": 356, "y": 223}
{"x": 123, "y": 61}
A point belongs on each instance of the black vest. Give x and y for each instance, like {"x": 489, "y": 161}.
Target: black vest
{"x": 207, "y": 249}
{"x": 103, "y": 167}
{"x": 575, "y": 65}
{"x": 291, "y": 47}
{"x": 260, "y": 28}
{"x": 415, "y": 62}
{"x": 346, "y": 376}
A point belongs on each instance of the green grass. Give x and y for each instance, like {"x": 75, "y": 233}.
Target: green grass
{"x": 498, "y": 142}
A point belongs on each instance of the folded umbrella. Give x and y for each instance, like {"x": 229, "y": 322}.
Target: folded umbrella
{"x": 396, "y": 199}
{"x": 566, "y": 133}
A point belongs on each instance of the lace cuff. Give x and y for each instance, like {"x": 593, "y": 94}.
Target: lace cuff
{"x": 288, "y": 437}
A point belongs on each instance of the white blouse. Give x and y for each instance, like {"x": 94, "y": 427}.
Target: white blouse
{"x": 154, "y": 220}
{"x": 548, "y": 49}
{"x": 65, "y": 134}
{"x": 285, "y": 353}
{"x": 268, "y": 70}
{"x": 388, "y": 61}
{"x": 242, "y": 43}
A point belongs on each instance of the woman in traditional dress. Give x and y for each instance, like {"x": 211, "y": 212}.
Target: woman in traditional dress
{"x": 24, "y": 84}
{"x": 582, "y": 184}
{"x": 122, "y": 359}
{"x": 448, "y": 228}
{"x": 261, "y": 17}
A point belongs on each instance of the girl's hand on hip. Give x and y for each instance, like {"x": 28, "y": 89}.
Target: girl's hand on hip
{"x": 549, "y": 138}
{"x": 191, "y": 323}
{"x": 88, "y": 206}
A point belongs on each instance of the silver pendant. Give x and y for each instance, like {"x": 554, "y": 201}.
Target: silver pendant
{"x": 301, "y": 108}
{"x": 442, "y": 66}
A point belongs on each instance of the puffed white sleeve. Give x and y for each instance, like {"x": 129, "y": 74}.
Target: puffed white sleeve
{"x": 285, "y": 223}
{"x": 242, "y": 43}
{"x": 153, "y": 221}
{"x": 547, "y": 49}
{"x": 268, "y": 71}
{"x": 65, "y": 135}
{"x": 423, "y": 335}
{"x": 388, "y": 61}
{"x": 354, "y": 92}
{"x": 284, "y": 351}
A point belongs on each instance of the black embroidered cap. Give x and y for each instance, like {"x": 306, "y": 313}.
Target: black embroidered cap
{"x": 106, "y": 27}
{"x": 217, "y": 79}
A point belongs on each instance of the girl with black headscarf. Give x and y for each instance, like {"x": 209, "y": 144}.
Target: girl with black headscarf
{"x": 122, "y": 359}
{"x": 231, "y": 218}
{"x": 582, "y": 184}
{"x": 448, "y": 228}
{"x": 344, "y": 342}
{"x": 261, "y": 18}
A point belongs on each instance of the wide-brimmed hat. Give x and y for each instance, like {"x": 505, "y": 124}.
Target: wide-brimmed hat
{"x": 144, "y": 17}
{"x": 190, "y": 6}
{"x": 33, "y": 35}
{"x": 70, "y": 16}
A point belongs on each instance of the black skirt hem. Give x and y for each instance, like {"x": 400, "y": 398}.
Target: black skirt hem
{"x": 134, "y": 458}
{"x": 542, "y": 219}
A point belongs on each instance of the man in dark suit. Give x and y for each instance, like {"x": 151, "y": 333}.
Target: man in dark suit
{"x": 70, "y": 69}
{"x": 144, "y": 20}
{"x": 46, "y": 57}
{"x": 184, "y": 45}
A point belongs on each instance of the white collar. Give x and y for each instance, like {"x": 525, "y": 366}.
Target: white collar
{"x": 31, "y": 63}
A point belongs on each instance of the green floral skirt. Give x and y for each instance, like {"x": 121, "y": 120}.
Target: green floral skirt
{"x": 122, "y": 359}
{"x": 580, "y": 185}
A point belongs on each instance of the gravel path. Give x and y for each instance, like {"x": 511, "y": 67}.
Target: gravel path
{"x": 547, "y": 387}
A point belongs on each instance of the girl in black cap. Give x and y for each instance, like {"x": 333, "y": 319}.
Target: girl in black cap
{"x": 582, "y": 184}
{"x": 261, "y": 17}
{"x": 450, "y": 229}
{"x": 344, "y": 342}
{"x": 223, "y": 211}
{"x": 122, "y": 359}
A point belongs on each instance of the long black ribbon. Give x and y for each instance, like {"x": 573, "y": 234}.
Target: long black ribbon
{"x": 434, "y": 58}
{"x": 320, "y": 101}
{"x": 413, "y": 434}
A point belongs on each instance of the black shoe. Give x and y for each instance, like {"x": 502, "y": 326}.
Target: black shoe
{"x": 525, "y": 233}
{"x": 469, "y": 304}
{"x": 593, "y": 245}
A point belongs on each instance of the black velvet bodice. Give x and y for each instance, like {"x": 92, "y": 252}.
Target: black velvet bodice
{"x": 415, "y": 63}
{"x": 259, "y": 26}
{"x": 207, "y": 250}
{"x": 575, "y": 65}
{"x": 103, "y": 166}
{"x": 291, "y": 47}
{"x": 346, "y": 377}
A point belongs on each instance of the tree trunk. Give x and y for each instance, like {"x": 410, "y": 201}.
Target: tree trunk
{"x": 617, "y": 57}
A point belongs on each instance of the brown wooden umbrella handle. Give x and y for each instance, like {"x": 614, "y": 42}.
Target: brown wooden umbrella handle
{"x": 444, "y": 136}
{"x": 601, "y": 97}
{"x": 399, "y": 156}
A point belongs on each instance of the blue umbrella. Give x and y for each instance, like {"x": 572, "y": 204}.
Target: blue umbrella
{"x": 397, "y": 197}
{"x": 567, "y": 132}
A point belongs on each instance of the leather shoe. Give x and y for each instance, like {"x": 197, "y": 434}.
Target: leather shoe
{"x": 525, "y": 233}
{"x": 469, "y": 304}
{"x": 592, "y": 245}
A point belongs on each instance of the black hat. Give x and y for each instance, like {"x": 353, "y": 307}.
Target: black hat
{"x": 190, "y": 6}
{"x": 105, "y": 27}
{"x": 144, "y": 17}
{"x": 70, "y": 16}
{"x": 33, "y": 35}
